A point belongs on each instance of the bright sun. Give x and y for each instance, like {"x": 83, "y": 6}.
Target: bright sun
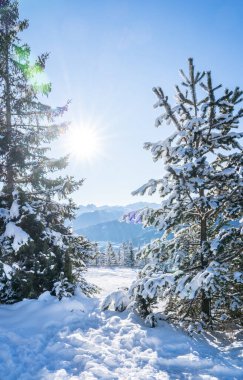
{"x": 83, "y": 142}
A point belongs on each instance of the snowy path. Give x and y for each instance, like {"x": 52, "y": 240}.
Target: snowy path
{"x": 73, "y": 339}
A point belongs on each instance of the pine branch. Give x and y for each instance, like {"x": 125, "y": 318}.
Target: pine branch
{"x": 212, "y": 104}
{"x": 164, "y": 103}
{"x": 192, "y": 85}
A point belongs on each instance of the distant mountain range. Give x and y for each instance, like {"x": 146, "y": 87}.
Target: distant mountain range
{"x": 103, "y": 224}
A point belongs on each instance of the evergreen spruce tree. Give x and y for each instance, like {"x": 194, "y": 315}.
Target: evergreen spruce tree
{"x": 111, "y": 259}
{"x": 120, "y": 258}
{"x": 123, "y": 252}
{"x": 96, "y": 257}
{"x": 140, "y": 259}
{"x": 196, "y": 266}
{"x": 129, "y": 255}
{"x": 102, "y": 259}
{"x": 37, "y": 251}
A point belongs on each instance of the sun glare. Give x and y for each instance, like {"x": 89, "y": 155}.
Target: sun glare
{"x": 83, "y": 142}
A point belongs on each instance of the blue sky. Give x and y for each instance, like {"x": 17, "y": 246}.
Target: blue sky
{"x": 106, "y": 55}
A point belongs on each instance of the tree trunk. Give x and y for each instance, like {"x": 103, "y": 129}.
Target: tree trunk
{"x": 9, "y": 163}
{"x": 206, "y": 301}
{"x": 206, "y": 307}
{"x": 67, "y": 266}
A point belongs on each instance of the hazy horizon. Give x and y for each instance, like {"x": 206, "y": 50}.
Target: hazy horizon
{"x": 116, "y": 204}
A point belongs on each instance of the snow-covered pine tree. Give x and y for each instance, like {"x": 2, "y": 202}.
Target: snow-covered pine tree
{"x": 196, "y": 266}
{"x": 123, "y": 253}
{"x": 102, "y": 259}
{"x": 141, "y": 256}
{"x": 120, "y": 257}
{"x": 37, "y": 251}
{"x": 129, "y": 255}
{"x": 93, "y": 257}
{"x": 111, "y": 259}
{"x": 96, "y": 257}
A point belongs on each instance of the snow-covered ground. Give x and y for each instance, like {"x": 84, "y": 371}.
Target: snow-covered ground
{"x": 72, "y": 339}
{"x": 110, "y": 279}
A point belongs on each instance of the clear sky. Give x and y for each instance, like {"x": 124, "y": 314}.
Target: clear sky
{"x": 106, "y": 55}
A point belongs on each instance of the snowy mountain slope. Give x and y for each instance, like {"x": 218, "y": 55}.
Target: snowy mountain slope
{"x": 91, "y": 215}
{"x": 118, "y": 232}
{"x": 119, "y": 208}
{"x": 102, "y": 224}
{"x": 87, "y": 219}
{"x": 72, "y": 339}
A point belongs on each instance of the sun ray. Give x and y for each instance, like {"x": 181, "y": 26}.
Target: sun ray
{"x": 84, "y": 142}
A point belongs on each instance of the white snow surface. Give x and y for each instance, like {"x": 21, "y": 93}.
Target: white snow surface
{"x": 73, "y": 339}
{"x": 20, "y": 237}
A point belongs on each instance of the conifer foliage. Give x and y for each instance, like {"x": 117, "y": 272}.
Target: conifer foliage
{"x": 111, "y": 258}
{"x": 37, "y": 251}
{"x": 196, "y": 266}
{"x": 128, "y": 254}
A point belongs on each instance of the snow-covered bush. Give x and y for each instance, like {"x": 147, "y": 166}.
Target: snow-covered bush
{"x": 117, "y": 301}
{"x": 62, "y": 288}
